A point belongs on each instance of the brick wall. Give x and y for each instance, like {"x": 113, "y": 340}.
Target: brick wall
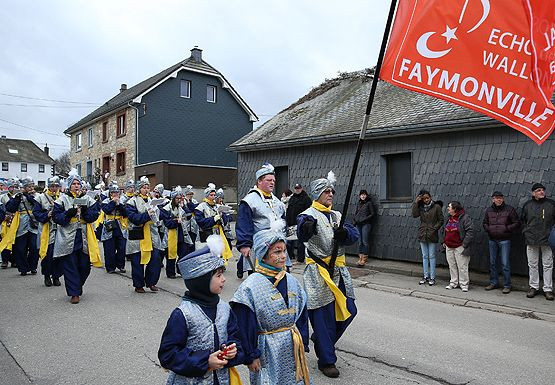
{"x": 113, "y": 145}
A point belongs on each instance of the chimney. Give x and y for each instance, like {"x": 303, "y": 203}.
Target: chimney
{"x": 46, "y": 150}
{"x": 123, "y": 87}
{"x": 196, "y": 54}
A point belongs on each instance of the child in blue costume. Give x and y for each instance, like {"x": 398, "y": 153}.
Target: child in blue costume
{"x": 191, "y": 346}
{"x": 271, "y": 310}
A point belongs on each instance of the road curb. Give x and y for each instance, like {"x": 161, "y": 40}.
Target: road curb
{"x": 524, "y": 313}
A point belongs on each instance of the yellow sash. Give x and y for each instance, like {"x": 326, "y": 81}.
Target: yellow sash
{"x": 92, "y": 242}
{"x": 301, "y": 367}
{"x": 124, "y": 223}
{"x": 172, "y": 243}
{"x": 320, "y": 207}
{"x": 9, "y": 239}
{"x": 227, "y": 253}
{"x": 99, "y": 220}
{"x": 341, "y": 312}
{"x": 44, "y": 238}
{"x": 234, "y": 377}
{"x": 146, "y": 244}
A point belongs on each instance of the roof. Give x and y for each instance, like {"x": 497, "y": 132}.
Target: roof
{"x": 27, "y": 152}
{"x": 334, "y": 111}
{"x": 135, "y": 93}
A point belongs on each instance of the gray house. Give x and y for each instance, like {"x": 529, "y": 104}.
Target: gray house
{"x": 413, "y": 141}
{"x": 173, "y": 127}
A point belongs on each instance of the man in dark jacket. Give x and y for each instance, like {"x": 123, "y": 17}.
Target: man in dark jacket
{"x": 500, "y": 222}
{"x": 298, "y": 203}
{"x": 538, "y": 216}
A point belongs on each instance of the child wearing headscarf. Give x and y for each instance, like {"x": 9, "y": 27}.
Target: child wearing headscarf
{"x": 200, "y": 344}
{"x": 271, "y": 310}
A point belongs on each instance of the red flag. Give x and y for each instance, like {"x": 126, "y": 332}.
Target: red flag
{"x": 497, "y": 58}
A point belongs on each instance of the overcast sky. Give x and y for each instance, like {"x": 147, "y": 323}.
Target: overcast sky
{"x": 272, "y": 52}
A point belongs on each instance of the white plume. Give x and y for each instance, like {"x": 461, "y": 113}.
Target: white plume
{"x": 144, "y": 179}
{"x": 215, "y": 245}
{"x": 211, "y": 186}
{"x": 189, "y": 187}
{"x": 178, "y": 189}
{"x": 331, "y": 177}
{"x": 268, "y": 166}
{"x": 277, "y": 226}
{"x": 73, "y": 171}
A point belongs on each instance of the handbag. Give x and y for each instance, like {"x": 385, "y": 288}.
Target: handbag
{"x": 135, "y": 233}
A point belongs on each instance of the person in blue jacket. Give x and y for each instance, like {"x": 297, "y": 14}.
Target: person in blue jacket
{"x": 113, "y": 233}
{"x": 76, "y": 244}
{"x": 331, "y": 299}
{"x": 192, "y": 355}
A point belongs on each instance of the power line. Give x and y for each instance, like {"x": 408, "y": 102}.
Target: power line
{"x": 31, "y": 128}
{"x": 48, "y": 100}
{"x": 44, "y": 106}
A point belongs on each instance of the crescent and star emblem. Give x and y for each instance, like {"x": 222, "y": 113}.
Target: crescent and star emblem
{"x": 449, "y": 34}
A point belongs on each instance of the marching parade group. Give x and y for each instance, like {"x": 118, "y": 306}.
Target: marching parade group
{"x": 265, "y": 325}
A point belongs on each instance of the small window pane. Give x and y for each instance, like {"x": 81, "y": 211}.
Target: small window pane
{"x": 23, "y": 167}
{"x": 41, "y": 167}
{"x": 90, "y": 137}
{"x": 399, "y": 176}
{"x": 211, "y": 94}
{"x": 5, "y": 166}
{"x": 78, "y": 142}
{"x": 185, "y": 91}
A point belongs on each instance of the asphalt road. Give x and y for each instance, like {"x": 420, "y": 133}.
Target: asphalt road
{"x": 112, "y": 337}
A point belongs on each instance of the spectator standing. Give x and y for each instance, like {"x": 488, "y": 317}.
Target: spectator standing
{"x": 431, "y": 220}
{"x": 363, "y": 216}
{"x": 538, "y": 216}
{"x": 298, "y": 202}
{"x": 457, "y": 235}
{"x": 500, "y": 222}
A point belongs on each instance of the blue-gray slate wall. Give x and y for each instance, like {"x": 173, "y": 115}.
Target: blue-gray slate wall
{"x": 191, "y": 130}
{"x": 465, "y": 166}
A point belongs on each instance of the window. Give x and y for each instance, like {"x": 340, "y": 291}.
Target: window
{"x": 120, "y": 125}
{"x": 89, "y": 169}
{"x": 398, "y": 175}
{"x": 120, "y": 162}
{"x": 41, "y": 167}
{"x": 78, "y": 168}
{"x": 5, "y": 166}
{"x": 78, "y": 142}
{"x": 13, "y": 151}
{"x": 105, "y": 165}
{"x": 90, "y": 136}
{"x": 23, "y": 167}
{"x": 104, "y": 132}
{"x": 211, "y": 94}
{"x": 185, "y": 89}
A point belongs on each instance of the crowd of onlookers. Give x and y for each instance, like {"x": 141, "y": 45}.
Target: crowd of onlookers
{"x": 456, "y": 233}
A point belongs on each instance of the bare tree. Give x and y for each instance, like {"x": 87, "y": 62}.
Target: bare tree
{"x": 63, "y": 164}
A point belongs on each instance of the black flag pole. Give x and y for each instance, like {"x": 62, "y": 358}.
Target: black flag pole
{"x": 363, "y": 130}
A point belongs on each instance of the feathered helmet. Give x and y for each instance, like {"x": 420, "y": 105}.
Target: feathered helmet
{"x": 263, "y": 239}
{"x": 159, "y": 188}
{"x": 177, "y": 191}
{"x": 211, "y": 187}
{"x": 73, "y": 176}
{"x": 113, "y": 187}
{"x": 188, "y": 189}
{"x": 27, "y": 181}
{"x": 53, "y": 181}
{"x": 220, "y": 193}
{"x": 142, "y": 182}
{"x": 319, "y": 185}
{"x": 129, "y": 184}
{"x": 13, "y": 182}
{"x": 266, "y": 169}
{"x": 203, "y": 261}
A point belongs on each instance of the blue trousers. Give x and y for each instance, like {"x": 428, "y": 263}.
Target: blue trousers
{"x": 145, "y": 275}
{"x": 363, "y": 242}
{"x": 114, "y": 251}
{"x": 50, "y": 267}
{"x": 429, "y": 259}
{"x": 182, "y": 250}
{"x": 501, "y": 249}
{"x": 7, "y": 256}
{"x": 77, "y": 267}
{"x": 26, "y": 253}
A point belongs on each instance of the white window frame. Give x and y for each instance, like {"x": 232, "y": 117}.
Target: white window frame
{"x": 213, "y": 88}
{"x": 78, "y": 141}
{"x": 26, "y": 167}
{"x": 188, "y": 83}
{"x": 78, "y": 168}
{"x": 7, "y": 166}
{"x": 91, "y": 136}
{"x": 41, "y": 167}
{"x": 121, "y": 130}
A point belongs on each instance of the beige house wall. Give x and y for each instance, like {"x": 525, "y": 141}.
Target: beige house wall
{"x": 110, "y": 148}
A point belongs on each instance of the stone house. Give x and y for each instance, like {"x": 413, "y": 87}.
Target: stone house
{"x": 162, "y": 128}
{"x": 413, "y": 141}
